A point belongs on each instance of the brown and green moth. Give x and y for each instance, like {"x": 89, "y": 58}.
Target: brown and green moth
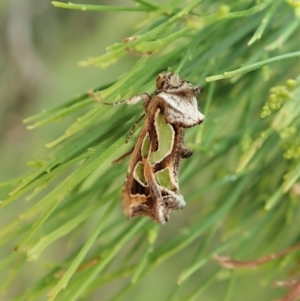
{"x": 151, "y": 187}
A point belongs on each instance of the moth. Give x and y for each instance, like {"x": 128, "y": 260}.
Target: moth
{"x": 151, "y": 187}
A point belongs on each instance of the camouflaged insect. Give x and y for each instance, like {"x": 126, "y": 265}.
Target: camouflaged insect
{"x": 151, "y": 186}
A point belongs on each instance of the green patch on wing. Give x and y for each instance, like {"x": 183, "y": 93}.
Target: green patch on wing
{"x": 162, "y": 177}
{"x": 138, "y": 173}
{"x": 165, "y": 135}
{"x": 145, "y": 146}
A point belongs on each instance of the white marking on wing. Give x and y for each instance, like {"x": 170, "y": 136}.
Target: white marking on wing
{"x": 182, "y": 110}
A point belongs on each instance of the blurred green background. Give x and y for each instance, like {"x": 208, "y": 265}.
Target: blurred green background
{"x": 39, "y": 50}
{"x": 40, "y": 46}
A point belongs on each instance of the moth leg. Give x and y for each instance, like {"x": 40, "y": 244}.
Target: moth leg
{"x": 185, "y": 152}
{"x": 133, "y": 128}
{"x": 174, "y": 201}
{"x": 120, "y": 159}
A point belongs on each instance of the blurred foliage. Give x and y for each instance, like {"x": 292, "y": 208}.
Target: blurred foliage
{"x": 241, "y": 185}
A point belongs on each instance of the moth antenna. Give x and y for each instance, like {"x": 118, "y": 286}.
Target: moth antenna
{"x": 138, "y": 54}
{"x": 116, "y": 102}
{"x": 131, "y": 100}
{"x": 133, "y": 128}
{"x": 120, "y": 159}
{"x": 94, "y": 96}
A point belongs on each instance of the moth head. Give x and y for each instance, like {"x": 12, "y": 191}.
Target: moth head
{"x": 170, "y": 82}
{"x": 166, "y": 79}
